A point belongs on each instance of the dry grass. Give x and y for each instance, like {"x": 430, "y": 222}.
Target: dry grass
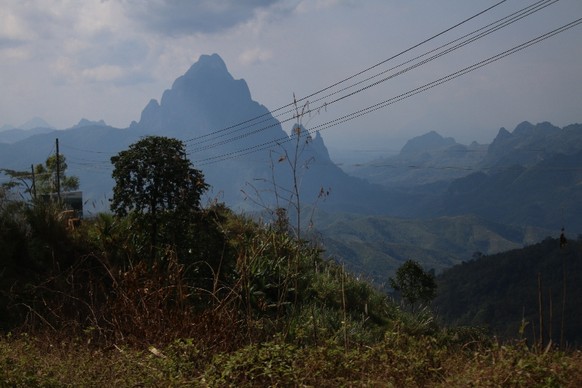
{"x": 398, "y": 360}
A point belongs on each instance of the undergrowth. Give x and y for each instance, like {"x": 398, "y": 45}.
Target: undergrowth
{"x": 398, "y": 360}
{"x": 237, "y": 304}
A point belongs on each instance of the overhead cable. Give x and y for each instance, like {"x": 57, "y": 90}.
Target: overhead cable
{"x": 468, "y": 38}
{"x": 395, "y": 99}
{"x": 306, "y": 98}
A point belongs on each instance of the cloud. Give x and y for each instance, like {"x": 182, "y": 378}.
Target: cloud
{"x": 75, "y": 42}
{"x": 305, "y": 6}
{"x": 102, "y": 73}
{"x": 254, "y": 56}
{"x": 13, "y": 26}
{"x": 110, "y": 50}
{"x": 186, "y": 17}
{"x": 116, "y": 75}
{"x": 10, "y": 43}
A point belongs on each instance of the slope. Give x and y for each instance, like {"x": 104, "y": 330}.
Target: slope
{"x": 375, "y": 246}
{"x": 501, "y": 292}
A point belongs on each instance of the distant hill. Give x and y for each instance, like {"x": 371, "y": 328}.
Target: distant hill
{"x": 423, "y": 160}
{"x": 35, "y": 126}
{"x": 530, "y": 176}
{"x": 89, "y": 123}
{"x": 530, "y": 144}
{"x": 15, "y": 134}
{"x": 376, "y": 246}
{"x": 35, "y": 122}
{"x": 545, "y": 194}
{"x": 499, "y": 291}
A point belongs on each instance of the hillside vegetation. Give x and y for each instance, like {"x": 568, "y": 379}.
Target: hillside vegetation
{"x": 245, "y": 305}
{"x": 375, "y": 246}
{"x": 532, "y": 292}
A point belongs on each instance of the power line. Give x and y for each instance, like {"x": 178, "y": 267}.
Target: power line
{"x": 468, "y": 38}
{"x": 295, "y": 102}
{"x": 492, "y": 27}
{"x": 90, "y": 151}
{"x": 393, "y": 100}
{"x": 508, "y": 20}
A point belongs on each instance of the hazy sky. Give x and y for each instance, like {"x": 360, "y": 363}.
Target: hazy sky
{"x": 64, "y": 60}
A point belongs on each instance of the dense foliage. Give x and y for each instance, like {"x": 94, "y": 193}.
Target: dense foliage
{"x": 377, "y": 245}
{"x": 156, "y": 185}
{"x": 413, "y": 283}
{"x": 533, "y": 292}
{"x": 255, "y": 308}
{"x": 153, "y": 176}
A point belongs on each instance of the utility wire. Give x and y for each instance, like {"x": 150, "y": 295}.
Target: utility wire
{"x": 492, "y": 27}
{"x": 393, "y": 100}
{"x": 470, "y": 38}
{"x": 221, "y": 133}
{"x": 446, "y": 78}
{"x": 295, "y": 102}
{"x": 84, "y": 150}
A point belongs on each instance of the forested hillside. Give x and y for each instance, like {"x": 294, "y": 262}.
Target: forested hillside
{"x": 375, "y": 246}
{"x": 532, "y": 292}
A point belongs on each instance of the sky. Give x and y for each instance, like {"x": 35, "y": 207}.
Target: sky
{"x": 63, "y": 60}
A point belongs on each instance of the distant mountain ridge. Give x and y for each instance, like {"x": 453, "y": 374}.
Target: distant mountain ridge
{"x": 14, "y": 135}
{"x": 527, "y": 179}
{"x": 89, "y": 123}
{"x": 530, "y": 176}
{"x": 203, "y": 108}
{"x": 425, "y": 143}
{"x": 10, "y": 134}
{"x": 529, "y": 144}
{"x": 425, "y": 159}
{"x": 526, "y": 145}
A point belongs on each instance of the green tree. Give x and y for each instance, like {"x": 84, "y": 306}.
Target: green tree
{"x": 414, "y": 283}
{"x": 156, "y": 182}
{"x": 46, "y": 176}
{"x": 44, "y": 180}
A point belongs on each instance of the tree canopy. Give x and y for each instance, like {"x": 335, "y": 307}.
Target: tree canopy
{"x": 44, "y": 180}
{"x": 154, "y": 175}
{"x": 155, "y": 182}
{"x": 414, "y": 283}
{"x": 46, "y": 176}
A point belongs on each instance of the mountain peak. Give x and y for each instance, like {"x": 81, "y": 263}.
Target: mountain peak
{"x": 208, "y": 65}
{"x": 541, "y": 129}
{"x": 205, "y": 98}
{"x": 36, "y": 122}
{"x": 429, "y": 141}
{"x": 523, "y": 128}
{"x": 88, "y": 123}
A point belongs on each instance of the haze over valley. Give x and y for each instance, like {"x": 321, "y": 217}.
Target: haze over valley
{"x": 374, "y": 142}
{"x": 512, "y": 192}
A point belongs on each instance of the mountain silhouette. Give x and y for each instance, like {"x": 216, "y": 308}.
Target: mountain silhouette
{"x": 254, "y": 160}
{"x": 529, "y": 177}
{"x": 249, "y": 165}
